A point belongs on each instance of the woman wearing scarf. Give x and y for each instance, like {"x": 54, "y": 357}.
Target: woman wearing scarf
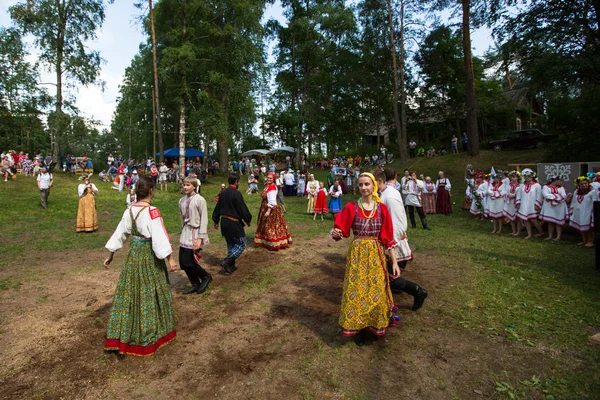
{"x": 272, "y": 231}
{"x": 367, "y": 303}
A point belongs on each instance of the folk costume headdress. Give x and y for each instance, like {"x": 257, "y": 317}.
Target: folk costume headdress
{"x": 529, "y": 172}
{"x": 580, "y": 179}
{"x": 375, "y": 187}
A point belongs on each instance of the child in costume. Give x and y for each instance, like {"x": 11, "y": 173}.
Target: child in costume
{"x": 554, "y": 208}
{"x": 510, "y": 194}
{"x": 321, "y": 202}
{"x": 581, "y": 210}
{"x": 529, "y": 203}
{"x": 496, "y": 192}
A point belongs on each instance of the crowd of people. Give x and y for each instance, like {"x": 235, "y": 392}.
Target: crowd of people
{"x": 441, "y": 151}
{"x": 519, "y": 198}
{"x": 142, "y": 317}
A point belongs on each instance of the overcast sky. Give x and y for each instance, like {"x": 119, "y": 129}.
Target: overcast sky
{"x": 118, "y": 41}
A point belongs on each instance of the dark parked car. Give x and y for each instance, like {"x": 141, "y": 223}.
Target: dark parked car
{"x": 524, "y": 138}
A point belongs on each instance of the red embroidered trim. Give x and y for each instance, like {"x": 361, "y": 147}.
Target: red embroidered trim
{"x": 124, "y": 348}
{"x": 154, "y": 213}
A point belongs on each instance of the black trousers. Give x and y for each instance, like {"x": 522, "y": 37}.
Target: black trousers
{"x": 194, "y": 271}
{"x": 411, "y": 215}
{"x": 413, "y": 152}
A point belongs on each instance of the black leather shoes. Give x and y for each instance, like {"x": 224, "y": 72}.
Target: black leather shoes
{"x": 204, "y": 285}
{"x": 191, "y": 289}
{"x": 419, "y": 298}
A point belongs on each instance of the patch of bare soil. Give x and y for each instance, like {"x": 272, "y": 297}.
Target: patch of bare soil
{"x": 268, "y": 331}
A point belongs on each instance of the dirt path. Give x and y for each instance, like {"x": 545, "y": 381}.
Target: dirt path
{"x": 270, "y": 331}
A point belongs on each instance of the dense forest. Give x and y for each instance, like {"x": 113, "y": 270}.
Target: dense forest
{"x": 335, "y": 77}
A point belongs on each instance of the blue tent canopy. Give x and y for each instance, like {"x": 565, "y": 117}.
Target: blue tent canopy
{"x": 174, "y": 152}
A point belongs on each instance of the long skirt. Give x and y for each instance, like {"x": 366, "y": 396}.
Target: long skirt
{"x": 301, "y": 188}
{"x": 444, "y": 202}
{"x": 141, "y": 320}
{"x": 272, "y": 232}
{"x": 367, "y": 301}
{"x": 87, "y": 218}
{"x": 311, "y": 204}
{"x": 428, "y": 200}
{"x": 321, "y": 204}
{"x": 335, "y": 205}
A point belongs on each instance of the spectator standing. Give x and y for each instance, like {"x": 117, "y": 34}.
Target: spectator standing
{"x": 412, "y": 148}
{"x": 454, "y": 144}
{"x": 44, "y": 181}
{"x": 465, "y": 141}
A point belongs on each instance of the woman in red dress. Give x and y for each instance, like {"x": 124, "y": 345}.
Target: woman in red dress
{"x": 444, "y": 202}
{"x": 321, "y": 203}
{"x": 367, "y": 302}
{"x": 272, "y": 231}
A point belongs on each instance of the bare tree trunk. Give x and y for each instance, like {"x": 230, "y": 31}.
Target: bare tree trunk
{"x": 403, "y": 140}
{"x": 181, "y": 142}
{"x": 403, "y": 153}
{"x": 224, "y": 143}
{"x": 472, "y": 128}
{"x": 161, "y": 145}
{"x": 58, "y": 122}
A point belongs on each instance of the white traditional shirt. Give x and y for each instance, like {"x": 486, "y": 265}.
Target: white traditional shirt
{"x": 581, "y": 211}
{"x": 442, "y": 181}
{"x": 149, "y": 224}
{"x": 81, "y": 188}
{"x": 194, "y": 220}
{"x": 413, "y": 191}
{"x": 528, "y": 198}
{"x": 335, "y": 193}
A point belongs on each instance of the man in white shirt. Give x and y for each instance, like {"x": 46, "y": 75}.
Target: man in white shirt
{"x": 289, "y": 181}
{"x": 386, "y": 181}
{"x": 44, "y": 181}
{"x": 412, "y": 189}
{"x": 279, "y": 182}
{"x": 412, "y": 147}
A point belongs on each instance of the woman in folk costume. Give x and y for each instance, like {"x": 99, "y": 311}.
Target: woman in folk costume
{"x": 510, "y": 194}
{"x": 367, "y": 303}
{"x": 554, "y": 209}
{"x": 581, "y": 211}
{"x": 444, "y": 201}
{"x": 272, "y": 231}
{"x": 475, "y": 191}
{"x": 428, "y": 197}
{"x": 529, "y": 203}
{"x": 301, "y": 184}
{"x": 87, "y": 218}
{"x": 485, "y": 186}
{"x": 312, "y": 189}
{"x": 496, "y": 193}
{"x": 335, "y": 199}
{"x": 142, "y": 318}
{"x": 321, "y": 203}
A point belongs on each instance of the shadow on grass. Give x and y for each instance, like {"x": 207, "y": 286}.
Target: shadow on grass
{"x": 322, "y": 323}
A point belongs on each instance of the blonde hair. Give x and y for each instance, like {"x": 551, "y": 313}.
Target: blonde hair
{"x": 191, "y": 181}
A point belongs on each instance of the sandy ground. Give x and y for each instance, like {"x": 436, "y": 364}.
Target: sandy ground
{"x": 268, "y": 332}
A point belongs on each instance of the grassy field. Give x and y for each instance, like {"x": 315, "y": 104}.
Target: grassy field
{"x": 506, "y": 318}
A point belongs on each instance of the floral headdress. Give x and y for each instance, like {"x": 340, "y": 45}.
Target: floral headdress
{"x": 529, "y": 172}
{"x": 552, "y": 178}
{"x": 88, "y": 175}
{"x": 515, "y": 173}
{"x": 580, "y": 179}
